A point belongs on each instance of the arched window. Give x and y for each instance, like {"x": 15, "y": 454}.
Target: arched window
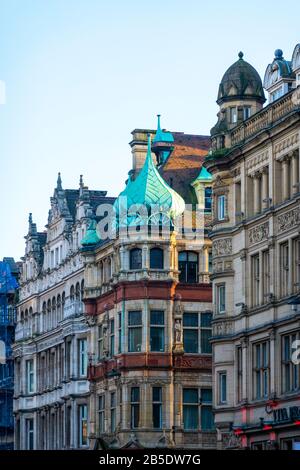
{"x": 53, "y": 312}
{"x": 156, "y": 258}
{"x": 58, "y": 303}
{"x": 77, "y": 291}
{"x": 82, "y": 289}
{"x": 188, "y": 266}
{"x": 72, "y": 293}
{"x": 49, "y": 308}
{"x": 44, "y": 309}
{"x": 135, "y": 258}
{"x": 63, "y": 301}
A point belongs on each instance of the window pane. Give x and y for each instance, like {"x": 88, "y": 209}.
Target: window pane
{"x": 156, "y": 410}
{"x": 156, "y": 258}
{"x": 205, "y": 341}
{"x": 192, "y": 256}
{"x": 190, "y": 341}
{"x": 157, "y": 317}
{"x": 135, "y": 394}
{"x": 136, "y": 258}
{"x": 190, "y": 417}
{"x": 207, "y": 421}
{"x": 190, "y": 319}
{"x": 157, "y": 339}
{"x": 156, "y": 394}
{"x": 135, "y": 340}
{"x": 190, "y": 395}
{"x": 206, "y": 395}
{"x": 182, "y": 256}
{"x": 134, "y": 318}
{"x": 206, "y": 318}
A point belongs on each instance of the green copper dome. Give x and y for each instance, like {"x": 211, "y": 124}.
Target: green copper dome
{"x": 91, "y": 237}
{"x": 241, "y": 80}
{"x": 204, "y": 175}
{"x": 150, "y": 189}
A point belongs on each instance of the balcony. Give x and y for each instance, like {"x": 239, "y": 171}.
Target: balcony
{"x": 265, "y": 118}
{"x": 73, "y": 308}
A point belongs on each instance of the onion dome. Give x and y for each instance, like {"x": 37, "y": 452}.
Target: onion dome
{"x": 241, "y": 81}
{"x": 91, "y": 237}
{"x": 150, "y": 189}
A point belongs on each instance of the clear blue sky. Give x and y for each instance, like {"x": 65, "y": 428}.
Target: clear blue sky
{"x": 80, "y": 75}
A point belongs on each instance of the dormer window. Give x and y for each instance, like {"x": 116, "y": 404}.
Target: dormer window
{"x": 233, "y": 115}
{"x": 276, "y": 94}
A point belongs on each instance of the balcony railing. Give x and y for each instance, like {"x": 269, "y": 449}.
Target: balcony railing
{"x": 265, "y": 118}
{"x": 73, "y": 308}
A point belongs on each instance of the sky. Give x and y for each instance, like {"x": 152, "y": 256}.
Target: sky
{"x": 80, "y": 75}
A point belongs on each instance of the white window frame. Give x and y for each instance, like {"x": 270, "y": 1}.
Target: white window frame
{"x": 221, "y": 207}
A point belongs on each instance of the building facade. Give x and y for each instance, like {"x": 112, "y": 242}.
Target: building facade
{"x": 148, "y": 300}
{"x": 9, "y": 274}
{"x": 51, "y": 341}
{"x": 254, "y": 161}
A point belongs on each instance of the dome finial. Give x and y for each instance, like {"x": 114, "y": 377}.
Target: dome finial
{"x": 278, "y": 54}
{"x": 241, "y": 55}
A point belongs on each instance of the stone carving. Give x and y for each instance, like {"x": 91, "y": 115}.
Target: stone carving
{"x": 288, "y": 220}
{"x": 285, "y": 145}
{"x": 223, "y": 328}
{"x": 256, "y": 161}
{"x": 222, "y": 247}
{"x": 259, "y": 233}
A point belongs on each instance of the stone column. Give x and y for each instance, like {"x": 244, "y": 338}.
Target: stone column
{"x": 265, "y": 188}
{"x": 145, "y": 257}
{"x": 74, "y": 424}
{"x": 256, "y": 195}
{"x": 285, "y": 179}
{"x": 295, "y": 171}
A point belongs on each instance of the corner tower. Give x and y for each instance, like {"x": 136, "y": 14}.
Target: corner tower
{"x": 240, "y": 95}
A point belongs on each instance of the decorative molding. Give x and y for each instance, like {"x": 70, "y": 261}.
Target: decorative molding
{"x": 222, "y": 247}
{"x": 253, "y": 163}
{"x": 286, "y": 145}
{"x": 223, "y": 328}
{"x": 259, "y": 233}
{"x": 288, "y": 220}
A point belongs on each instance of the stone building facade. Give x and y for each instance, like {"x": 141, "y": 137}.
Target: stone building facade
{"x": 254, "y": 161}
{"x": 51, "y": 341}
{"x": 148, "y": 301}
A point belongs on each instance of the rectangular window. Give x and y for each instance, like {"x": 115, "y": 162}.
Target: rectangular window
{"x": 284, "y": 269}
{"x": 113, "y": 412}
{"x": 207, "y": 419}
{"x": 135, "y": 331}
{"x": 191, "y": 332}
{"x": 157, "y": 407}
{"x": 207, "y": 199}
{"x": 82, "y": 425}
{"x": 119, "y": 332}
{"x": 29, "y": 376}
{"x": 112, "y": 337}
{"x": 266, "y": 275}
{"x": 190, "y": 408}
{"x": 135, "y": 407}
{"x": 82, "y": 351}
{"x": 221, "y": 207}
{"x": 240, "y": 372}
{"x": 205, "y": 332}
{"x": 233, "y": 115}
{"x": 29, "y": 434}
{"x": 290, "y": 370}
{"x": 101, "y": 414}
{"x": 157, "y": 330}
{"x": 221, "y": 298}
{"x": 246, "y": 112}
{"x": 222, "y": 386}
{"x": 100, "y": 342}
{"x": 296, "y": 265}
{"x": 255, "y": 266}
{"x": 261, "y": 370}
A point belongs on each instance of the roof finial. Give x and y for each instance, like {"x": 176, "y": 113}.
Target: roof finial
{"x": 30, "y": 218}
{"x": 149, "y": 145}
{"x": 278, "y": 54}
{"x": 158, "y": 122}
{"x": 241, "y": 55}
{"x": 59, "y": 185}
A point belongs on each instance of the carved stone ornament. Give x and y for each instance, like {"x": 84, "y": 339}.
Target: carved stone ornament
{"x": 222, "y": 247}
{"x": 259, "y": 233}
{"x": 288, "y": 220}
